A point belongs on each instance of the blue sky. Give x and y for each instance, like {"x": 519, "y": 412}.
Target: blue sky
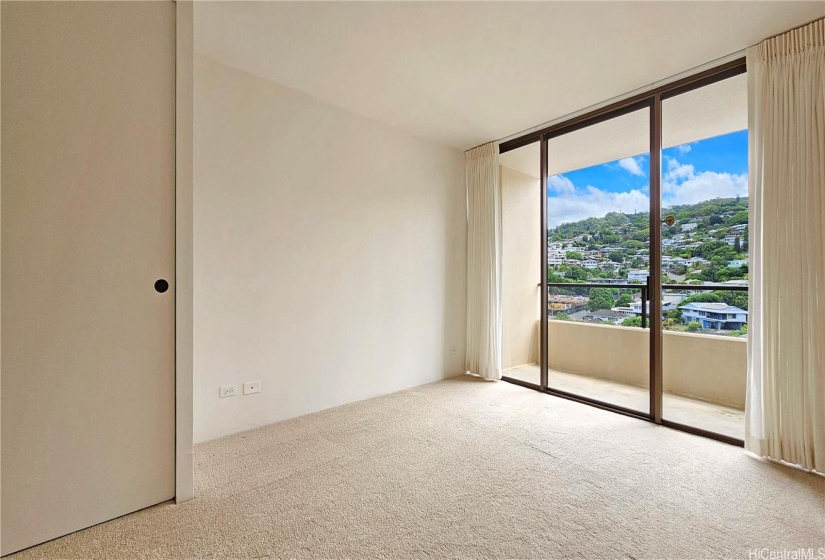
{"x": 710, "y": 168}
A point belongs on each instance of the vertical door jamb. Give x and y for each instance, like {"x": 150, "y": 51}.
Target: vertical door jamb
{"x": 184, "y": 180}
{"x": 543, "y": 329}
{"x": 655, "y": 240}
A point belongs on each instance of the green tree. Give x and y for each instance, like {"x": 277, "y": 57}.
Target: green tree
{"x": 700, "y": 276}
{"x": 624, "y": 300}
{"x": 600, "y": 298}
{"x": 708, "y": 248}
{"x": 554, "y": 278}
{"x": 578, "y": 273}
{"x": 632, "y": 322}
{"x": 702, "y": 297}
{"x": 738, "y": 299}
{"x": 633, "y": 244}
{"x": 693, "y": 326}
{"x": 727, "y": 273}
{"x": 561, "y": 316}
{"x": 574, "y": 255}
{"x": 737, "y": 245}
{"x": 739, "y": 218}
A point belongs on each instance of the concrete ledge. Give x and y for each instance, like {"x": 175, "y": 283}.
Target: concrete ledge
{"x": 706, "y": 367}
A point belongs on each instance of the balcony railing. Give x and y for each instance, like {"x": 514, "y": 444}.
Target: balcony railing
{"x": 644, "y": 290}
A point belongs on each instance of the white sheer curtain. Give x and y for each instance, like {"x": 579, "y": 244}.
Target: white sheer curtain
{"x": 483, "y": 262}
{"x": 785, "y": 411}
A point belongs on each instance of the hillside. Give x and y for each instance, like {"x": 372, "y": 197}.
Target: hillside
{"x": 719, "y": 212}
{"x": 707, "y": 243}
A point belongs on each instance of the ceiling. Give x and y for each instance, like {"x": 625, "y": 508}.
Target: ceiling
{"x": 464, "y": 73}
{"x": 709, "y": 111}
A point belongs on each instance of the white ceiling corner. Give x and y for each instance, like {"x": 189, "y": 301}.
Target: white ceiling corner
{"x": 464, "y": 73}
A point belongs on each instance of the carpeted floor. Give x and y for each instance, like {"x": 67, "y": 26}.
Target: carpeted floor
{"x": 471, "y": 469}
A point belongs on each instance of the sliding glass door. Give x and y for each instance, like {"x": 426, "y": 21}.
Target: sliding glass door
{"x": 598, "y": 260}
{"x": 643, "y": 215}
{"x": 705, "y": 257}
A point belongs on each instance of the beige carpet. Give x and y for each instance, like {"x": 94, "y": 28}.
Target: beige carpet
{"x": 466, "y": 468}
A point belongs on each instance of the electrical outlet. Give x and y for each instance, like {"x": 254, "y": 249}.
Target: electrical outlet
{"x": 228, "y": 391}
{"x": 251, "y": 387}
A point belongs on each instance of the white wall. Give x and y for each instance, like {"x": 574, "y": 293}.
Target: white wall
{"x": 521, "y": 266}
{"x": 329, "y": 257}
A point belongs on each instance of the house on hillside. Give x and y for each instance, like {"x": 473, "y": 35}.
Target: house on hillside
{"x": 638, "y": 275}
{"x": 605, "y": 316}
{"x": 719, "y": 316}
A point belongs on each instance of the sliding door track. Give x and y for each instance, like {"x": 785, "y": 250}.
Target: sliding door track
{"x": 626, "y": 412}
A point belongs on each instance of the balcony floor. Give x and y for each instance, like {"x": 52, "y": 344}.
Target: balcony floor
{"x": 684, "y": 410}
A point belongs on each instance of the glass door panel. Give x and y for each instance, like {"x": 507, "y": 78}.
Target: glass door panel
{"x": 705, "y": 257}
{"x": 598, "y": 256}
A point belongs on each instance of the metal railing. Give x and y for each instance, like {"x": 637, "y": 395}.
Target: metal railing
{"x": 645, "y": 290}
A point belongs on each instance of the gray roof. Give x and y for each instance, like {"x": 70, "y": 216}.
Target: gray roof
{"x": 714, "y": 307}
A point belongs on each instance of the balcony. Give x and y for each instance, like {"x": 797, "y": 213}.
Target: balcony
{"x": 703, "y": 375}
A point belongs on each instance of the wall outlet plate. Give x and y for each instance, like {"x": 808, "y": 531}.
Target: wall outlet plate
{"x": 251, "y": 387}
{"x": 228, "y": 391}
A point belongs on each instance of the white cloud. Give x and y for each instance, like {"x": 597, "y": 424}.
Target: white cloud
{"x": 684, "y": 148}
{"x": 680, "y": 185}
{"x": 676, "y": 171}
{"x": 704, "y": 186}
{"x": 572, "y": 206}
{"x": 632, "y": 166}
{"x": 560, "y": 184}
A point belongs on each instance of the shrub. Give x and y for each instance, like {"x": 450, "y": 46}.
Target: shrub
{"x": 632, "y": 322}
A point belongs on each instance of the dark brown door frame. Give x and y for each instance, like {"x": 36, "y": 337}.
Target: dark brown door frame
{"x": 655, "y": 262}
{"x": 544, "y": 357}
{"x": 652, "y": 100}
{"x": 683, "y": 85}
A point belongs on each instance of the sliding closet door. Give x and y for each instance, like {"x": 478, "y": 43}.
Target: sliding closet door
{"x": 88, "y": 184}
{"x": 598, "y": 260}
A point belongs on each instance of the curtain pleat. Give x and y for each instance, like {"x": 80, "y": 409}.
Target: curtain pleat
{"x": 785, "y": 407}
{"x": 483, "y": 348}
